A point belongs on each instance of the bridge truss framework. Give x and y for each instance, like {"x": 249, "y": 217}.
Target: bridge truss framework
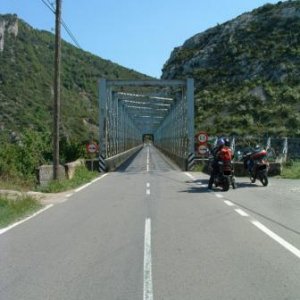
{"x": 130, "y": 109}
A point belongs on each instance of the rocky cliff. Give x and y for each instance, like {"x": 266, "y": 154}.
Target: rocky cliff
{"x": 8, "y": 26}
{"x": 247, "y": 72}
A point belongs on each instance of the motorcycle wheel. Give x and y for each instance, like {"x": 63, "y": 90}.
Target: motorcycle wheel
{"x": 226, "y": 184}
{"x": 264, "y": 179}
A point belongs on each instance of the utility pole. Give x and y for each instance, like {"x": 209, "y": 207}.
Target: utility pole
{"x": 56, "y": 119}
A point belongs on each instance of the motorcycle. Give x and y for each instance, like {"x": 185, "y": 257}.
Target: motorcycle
{"x": 224, "y": 177}
{"x": 257, "y": 165}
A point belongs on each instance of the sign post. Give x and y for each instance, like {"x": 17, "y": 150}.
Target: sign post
{"x": 91, "y": 149}
{"x": 202, "y": 139}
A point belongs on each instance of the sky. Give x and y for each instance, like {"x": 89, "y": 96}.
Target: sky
{"x": 136, "y": 34}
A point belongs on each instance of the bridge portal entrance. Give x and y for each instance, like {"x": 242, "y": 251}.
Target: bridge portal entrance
{"x": 134, "y": 110}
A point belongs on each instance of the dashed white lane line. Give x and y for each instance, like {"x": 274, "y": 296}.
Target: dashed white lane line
{"x": 148, "y": 286}
{"x": 148, "y": 188}
{"x": 259, "y": 225}
{"x": 3, "y": 230}
{"x": 229, "y": 203}
{"x": 241, "y": 212}
{"x": 277, "y": 238}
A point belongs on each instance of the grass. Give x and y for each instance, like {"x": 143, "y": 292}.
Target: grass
{"x": 12, "y": 210}
{"x": 82, "y": 176}
{"x": 17, "y": 183}
{"x": 291, "y": 170}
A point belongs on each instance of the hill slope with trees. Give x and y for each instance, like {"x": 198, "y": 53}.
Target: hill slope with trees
{"x": 26, "y": 82}
{"x": 246, "y": 71}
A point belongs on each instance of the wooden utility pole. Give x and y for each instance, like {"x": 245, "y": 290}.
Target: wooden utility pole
{"x": 56, "y": 119}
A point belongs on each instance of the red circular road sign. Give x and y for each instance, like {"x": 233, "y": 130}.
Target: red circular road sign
{"x": 202, "y": 149}
{"x": 202, "y": 137}
{"x": 92, "y": 148}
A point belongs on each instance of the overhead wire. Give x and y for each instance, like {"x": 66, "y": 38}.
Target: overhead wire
{"x": 69, "y": 32}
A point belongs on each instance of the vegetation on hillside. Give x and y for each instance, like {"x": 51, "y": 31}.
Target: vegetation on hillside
{"x": 26, "y": 100}
{"x": 246, "y": 72}
{"x": 26, "y": 80}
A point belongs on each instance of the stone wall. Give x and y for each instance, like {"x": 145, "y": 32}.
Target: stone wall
{"x": 45, "y": 174}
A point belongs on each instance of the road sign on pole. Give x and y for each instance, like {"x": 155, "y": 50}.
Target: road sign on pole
{"x": 202, "y": 149}
{"x": 202, "y": 137}
{"x": 92, "y": 148}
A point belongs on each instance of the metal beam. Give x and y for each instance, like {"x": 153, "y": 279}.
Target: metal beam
{"x": 145, "y": 83}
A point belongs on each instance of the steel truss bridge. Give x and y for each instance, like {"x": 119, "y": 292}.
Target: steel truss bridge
{"x": 132, "y": 109}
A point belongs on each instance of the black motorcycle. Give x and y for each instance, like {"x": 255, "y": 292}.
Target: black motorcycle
{"x": 257, "y": 165}
{"x": 224, "y": 177}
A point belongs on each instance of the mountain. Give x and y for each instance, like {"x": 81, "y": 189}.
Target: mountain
{"x": 246, "y": 71}
{"x": 26, "y": 82}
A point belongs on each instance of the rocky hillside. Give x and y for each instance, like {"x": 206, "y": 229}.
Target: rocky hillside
{"x": 246, "y": 71}
{"x": 26, "y": 82}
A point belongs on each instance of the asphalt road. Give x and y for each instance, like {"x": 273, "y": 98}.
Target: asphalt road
{"x": 150, "y": 231}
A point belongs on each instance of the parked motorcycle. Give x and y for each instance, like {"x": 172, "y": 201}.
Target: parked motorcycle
{"x": 257, "y": 165}
{"x": 225, "y": 176}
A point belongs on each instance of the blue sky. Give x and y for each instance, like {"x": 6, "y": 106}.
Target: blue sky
{"x": 137, "y": 34}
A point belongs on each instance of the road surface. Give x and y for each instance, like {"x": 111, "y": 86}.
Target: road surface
{"x": 150, "y": 231}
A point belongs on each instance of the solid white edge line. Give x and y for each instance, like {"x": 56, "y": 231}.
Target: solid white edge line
{"x": 241, "y": 212}
{"x": 148, "y": 159}
{"x": 148, "y": 286}
{"x": 277, "y": 238}
{"x": 89, "y": 183}
{"x": 190, "y": 175}
{"x": 3, "y": 230}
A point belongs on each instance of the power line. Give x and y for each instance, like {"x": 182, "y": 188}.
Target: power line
{"x": 69, "y": 32}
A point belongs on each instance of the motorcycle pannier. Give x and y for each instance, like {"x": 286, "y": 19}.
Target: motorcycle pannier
{"x": 259, "y": 155}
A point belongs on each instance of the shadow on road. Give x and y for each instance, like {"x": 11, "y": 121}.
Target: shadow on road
{"x": 127, "y": 164}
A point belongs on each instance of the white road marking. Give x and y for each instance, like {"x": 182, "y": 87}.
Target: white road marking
{"x": 219, "y": 195}
{"x": 277, "y": 238}
{"x": 87, "y": 184}
{"x": 148, "y": 159}
{"x": 148, "y": 286}
{"x": 98, "y": 178}
{"x": 148, "y": 192}
{"x": 69, "y": 195}
{"x": 229, "y": 203}
{"x": 260, "y": 226}
{"x": 241, "y": 212}
{"x": 190, "y": 175}
{"x": 3, "y": 230}
{"x": 148, "y": 184}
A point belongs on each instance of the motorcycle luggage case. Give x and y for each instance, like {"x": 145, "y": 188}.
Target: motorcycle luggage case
{"x": 259, "y": 154}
